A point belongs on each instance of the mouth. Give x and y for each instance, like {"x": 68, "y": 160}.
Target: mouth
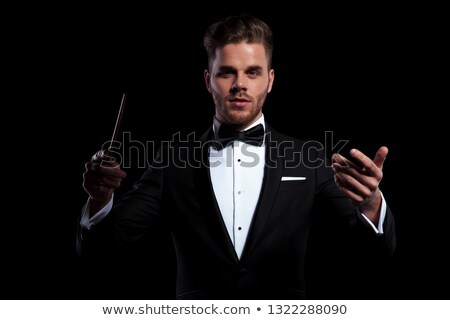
{"x": 239, "y": 102}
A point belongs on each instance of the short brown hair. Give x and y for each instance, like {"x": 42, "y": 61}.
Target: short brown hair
{"x": 236, "y": 29}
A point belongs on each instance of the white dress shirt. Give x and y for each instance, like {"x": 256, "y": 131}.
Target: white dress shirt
{"x": 237, "y": 173}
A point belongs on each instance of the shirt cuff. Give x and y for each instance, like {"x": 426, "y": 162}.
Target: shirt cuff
{"x": 89, "y": 223}
{"x": 378, "y": 230}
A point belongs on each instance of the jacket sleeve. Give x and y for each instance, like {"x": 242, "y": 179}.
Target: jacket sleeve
{"x": 336, "y": 208}
{"x": 132, "y": 216}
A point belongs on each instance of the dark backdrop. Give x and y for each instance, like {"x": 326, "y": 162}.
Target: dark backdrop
{"x": 358, "y": 75}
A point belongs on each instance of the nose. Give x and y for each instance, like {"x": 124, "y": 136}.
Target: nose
{"x": 238, "y": 85}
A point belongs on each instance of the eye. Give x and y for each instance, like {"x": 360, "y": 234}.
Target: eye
{"x": 253, "y": 73}
{"x": 224, "y": 74}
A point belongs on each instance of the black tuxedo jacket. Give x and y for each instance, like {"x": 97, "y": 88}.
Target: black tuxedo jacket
{"x": 177, "y": 191}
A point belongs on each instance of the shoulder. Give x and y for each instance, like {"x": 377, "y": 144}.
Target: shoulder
{"x": 184, "y": 148}
{"x": 277, "y": 136}
{"x": 287, "y": 146}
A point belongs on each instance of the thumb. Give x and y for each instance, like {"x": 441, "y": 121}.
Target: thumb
{"x": 380, "y": 156}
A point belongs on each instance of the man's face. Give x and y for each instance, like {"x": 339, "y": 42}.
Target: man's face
{"x": 239, "y": 81}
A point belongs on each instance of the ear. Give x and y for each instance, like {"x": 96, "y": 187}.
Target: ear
{"x": 271, "y": 78}
{"x": 207, "y": 77}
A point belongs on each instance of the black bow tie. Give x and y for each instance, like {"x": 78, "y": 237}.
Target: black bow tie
{"x": 253, "y": 136}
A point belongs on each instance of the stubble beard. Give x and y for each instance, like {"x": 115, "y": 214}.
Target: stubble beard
{"x": 237, "y": 117}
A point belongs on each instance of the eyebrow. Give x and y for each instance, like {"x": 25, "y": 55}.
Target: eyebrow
{"x": 255, "y": 68}
{"x": 223, "y": 69}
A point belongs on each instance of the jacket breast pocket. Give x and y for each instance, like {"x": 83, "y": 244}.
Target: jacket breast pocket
{"x": 286, "y": 186}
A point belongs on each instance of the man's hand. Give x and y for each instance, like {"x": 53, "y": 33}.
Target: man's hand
{"x": 359, "y": 180}
{"x": 102, "y": 176}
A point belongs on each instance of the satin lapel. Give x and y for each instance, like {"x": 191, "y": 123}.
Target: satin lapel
{"x": 272, "y": 177}
{"x": 210, "y": 208}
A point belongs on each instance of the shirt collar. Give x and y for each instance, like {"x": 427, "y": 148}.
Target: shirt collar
{"x": 217, "y": 124}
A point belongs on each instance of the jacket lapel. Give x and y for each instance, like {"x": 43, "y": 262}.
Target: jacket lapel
{"x": 272, "y": 177}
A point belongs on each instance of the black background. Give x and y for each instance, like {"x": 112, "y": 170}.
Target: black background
{"x": 359, "y": 72}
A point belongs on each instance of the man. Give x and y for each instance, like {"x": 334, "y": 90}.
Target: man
{"x": 240, "y": 201}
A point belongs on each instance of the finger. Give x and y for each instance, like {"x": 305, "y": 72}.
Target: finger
{"x": 354, "y": 185}
{"x": 105, "y": 157}
{"x": 101, "y": 154}
{"x": 366, "y": 163}
{"x": 91, "y": 177}
{"x": 100, "y": 169}
{"x": 108, "y": 171}
{"x": 368, "y": 181}
{"x": 354, "y": 197}
{"x": 343, "y": 161}
{"x": 380, "y": 156}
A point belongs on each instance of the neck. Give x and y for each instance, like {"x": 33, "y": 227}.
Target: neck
{"x": 239, "y": 127}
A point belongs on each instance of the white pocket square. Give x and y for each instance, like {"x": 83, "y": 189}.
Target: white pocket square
{"x": 292, "y": 178}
